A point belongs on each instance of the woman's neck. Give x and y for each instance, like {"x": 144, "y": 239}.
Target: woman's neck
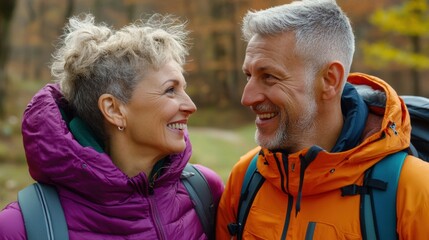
{"x": 132, "y": 160}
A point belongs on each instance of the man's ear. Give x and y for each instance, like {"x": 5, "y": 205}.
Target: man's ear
{"x": 112, "y": 110}
{"x": 333, "y": 80}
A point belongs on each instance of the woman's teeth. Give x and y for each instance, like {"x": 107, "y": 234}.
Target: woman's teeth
{"x": 179, "y": 126}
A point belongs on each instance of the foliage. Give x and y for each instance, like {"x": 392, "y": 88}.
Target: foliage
{"x": 381, "y": 54}
{"x": 411, "y": 19}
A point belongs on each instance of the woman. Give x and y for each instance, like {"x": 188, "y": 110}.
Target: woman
{"x": 111, "y": 135}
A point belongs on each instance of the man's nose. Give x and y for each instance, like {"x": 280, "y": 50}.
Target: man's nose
{"x": 252, "y": 93}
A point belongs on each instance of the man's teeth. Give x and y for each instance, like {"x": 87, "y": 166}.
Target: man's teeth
{"x": 179, "y": 126}
{"x": 266, "y": 115}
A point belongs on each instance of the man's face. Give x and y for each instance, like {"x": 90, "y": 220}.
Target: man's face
{"x": 280, "y": 91}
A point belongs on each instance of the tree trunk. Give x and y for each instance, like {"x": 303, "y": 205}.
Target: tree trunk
{"x": 6, "y": 13}
{"x": 415, "y": 74}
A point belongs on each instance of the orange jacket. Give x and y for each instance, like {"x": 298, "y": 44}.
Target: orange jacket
{"x": 274, "y": 211}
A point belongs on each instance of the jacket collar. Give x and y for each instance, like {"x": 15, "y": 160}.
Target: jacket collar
{"x": 355, "y": 113}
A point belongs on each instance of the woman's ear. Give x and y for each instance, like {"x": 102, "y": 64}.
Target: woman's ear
{"x": 112, "y": 110}
{"x": 333, "y": 80}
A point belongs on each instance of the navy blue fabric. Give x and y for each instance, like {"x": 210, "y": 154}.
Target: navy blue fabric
{"x": 355, "y": 112}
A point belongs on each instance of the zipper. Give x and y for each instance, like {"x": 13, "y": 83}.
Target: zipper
{"x": 155, "y": 216}
{"x": 288, "y": 216}
{"x": 152, "y": 202}
{"x": 285, "y": 162}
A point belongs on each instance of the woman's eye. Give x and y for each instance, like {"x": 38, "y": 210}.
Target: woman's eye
{"x": 248, "y": 76}
{"x": 170, "y": 90}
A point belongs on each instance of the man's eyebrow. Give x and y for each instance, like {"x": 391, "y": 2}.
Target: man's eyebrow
{"x": 261, "y": 68}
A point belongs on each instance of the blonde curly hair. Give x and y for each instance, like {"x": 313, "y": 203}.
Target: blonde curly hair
{"x": 95, "y": 59}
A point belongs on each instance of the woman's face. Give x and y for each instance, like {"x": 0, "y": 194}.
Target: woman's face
{"x": 158, "y": 112}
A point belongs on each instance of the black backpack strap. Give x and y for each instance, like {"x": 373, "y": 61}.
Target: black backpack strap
{"x": 378, "y": 210}
{"x": 201, "y": 195}
{"x": 252, "y": 182}
{"x": 42, "y": 212}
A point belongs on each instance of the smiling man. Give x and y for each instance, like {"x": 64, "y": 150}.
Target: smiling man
{"x": 279, "y": 90}
{"x": 319, "y": 129}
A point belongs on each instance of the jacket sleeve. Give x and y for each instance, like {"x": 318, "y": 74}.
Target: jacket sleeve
{"x": 413, "y": 200}
{"x": 12, "y": 223}
{"x": 227, "y": 210}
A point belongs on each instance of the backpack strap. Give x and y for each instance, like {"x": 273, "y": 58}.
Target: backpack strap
{"x": 378, "y": 212}
{"x": 42, "y": 213}
{"x": 252, "y": 182}
{"x": 201, "y": 195}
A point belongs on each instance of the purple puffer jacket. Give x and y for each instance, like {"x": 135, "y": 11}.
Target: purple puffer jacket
{"x": 99, "y": 201}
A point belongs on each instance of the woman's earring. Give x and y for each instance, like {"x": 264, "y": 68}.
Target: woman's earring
{"x": 120, "y": 128}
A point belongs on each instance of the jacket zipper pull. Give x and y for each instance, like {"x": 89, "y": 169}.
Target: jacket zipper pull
{"x": 393, "y": 127}
{"x": 152, "y": 182}
{"x": 151, "y": 186}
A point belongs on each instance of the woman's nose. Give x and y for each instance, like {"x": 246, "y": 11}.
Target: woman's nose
{"x": 188, "y": 105}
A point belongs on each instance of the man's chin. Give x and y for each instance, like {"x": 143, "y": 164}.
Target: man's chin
{"x": 267, "y": 142}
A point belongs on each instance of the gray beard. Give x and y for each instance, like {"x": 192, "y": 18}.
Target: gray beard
{"x": 291, "y": 134}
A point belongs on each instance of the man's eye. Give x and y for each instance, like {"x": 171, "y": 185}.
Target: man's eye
{"x": 270, "y": 79}
{"x": 268, "y": 76}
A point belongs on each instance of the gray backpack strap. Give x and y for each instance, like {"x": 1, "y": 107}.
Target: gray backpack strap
{"x": 201, "y": 195}
{"x": 42, "y": 212}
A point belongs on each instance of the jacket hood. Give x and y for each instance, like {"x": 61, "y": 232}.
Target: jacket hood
{"x": 55, "y": 157}
{"x": 311, "y": 171}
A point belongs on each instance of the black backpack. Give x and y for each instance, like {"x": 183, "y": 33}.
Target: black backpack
{"x": 378, "y": 201}
{"x": 44, "y": 217}
{"x": 418, "y": 107}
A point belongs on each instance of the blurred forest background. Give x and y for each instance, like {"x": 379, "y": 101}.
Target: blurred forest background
{"x": 391, "y": 43}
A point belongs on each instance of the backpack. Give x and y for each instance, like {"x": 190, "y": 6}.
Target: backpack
{"x": 418, "y": 107}
{"x": 378, "y": 198}
{"x": 44, "y": 217}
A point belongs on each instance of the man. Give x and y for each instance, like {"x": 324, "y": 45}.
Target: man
{"x": 319, "y": 128}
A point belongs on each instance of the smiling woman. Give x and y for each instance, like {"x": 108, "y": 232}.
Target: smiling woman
{"x": 160, "y": 101}
{"x": 111, "y": 133}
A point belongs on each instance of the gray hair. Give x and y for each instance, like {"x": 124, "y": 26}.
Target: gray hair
{"x": 95, "y": 59}
{"x": 322, "y": 30}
